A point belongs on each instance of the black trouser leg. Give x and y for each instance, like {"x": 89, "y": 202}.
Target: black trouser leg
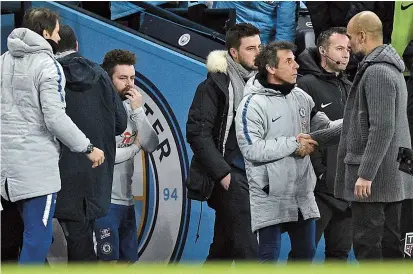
{"x": 79, "y": 237}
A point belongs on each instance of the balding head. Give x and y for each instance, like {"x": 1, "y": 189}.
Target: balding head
{"x": 365, "y": 30}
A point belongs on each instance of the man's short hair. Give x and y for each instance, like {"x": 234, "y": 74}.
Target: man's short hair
{"x": 117, "y": 57}
{"x": 239, "y": 31}
{"x": 268, "y": 55}
{"x": 67, "y": 39}
{"x": 323, "y": 39}
{"x": 40, "y": 19}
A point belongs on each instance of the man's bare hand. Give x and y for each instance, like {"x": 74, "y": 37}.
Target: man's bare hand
{"x": 307, "y": 145}
{"x": 303, "y": 136}
{"x": 135, "y": 98}
{"x": 226, "y": 181}
{"x": 96, "y": 156}
{"x": 362, "y": 189}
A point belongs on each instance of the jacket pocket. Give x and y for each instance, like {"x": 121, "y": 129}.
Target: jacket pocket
{"x": 282, "y": 177}
{"x": 352, "y": 164}
{"x": 199, "y": 183}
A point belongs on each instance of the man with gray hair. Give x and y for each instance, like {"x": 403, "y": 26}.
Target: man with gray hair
{"x": 272, "y": 125}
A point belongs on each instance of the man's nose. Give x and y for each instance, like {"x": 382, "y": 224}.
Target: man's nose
{"x": 296, "y": 65}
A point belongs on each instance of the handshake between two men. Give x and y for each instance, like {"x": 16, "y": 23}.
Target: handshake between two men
{"x": 307, "y": 145}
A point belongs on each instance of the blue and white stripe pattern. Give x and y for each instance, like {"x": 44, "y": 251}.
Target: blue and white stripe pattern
{"x": 244, "y": 120}
{"x": 59, "y": 82}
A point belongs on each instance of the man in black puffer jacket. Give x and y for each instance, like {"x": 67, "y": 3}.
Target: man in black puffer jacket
{"x": 326, "y": 83}
{"x": 94, "y": 106}
{"x": 217, "y": 171}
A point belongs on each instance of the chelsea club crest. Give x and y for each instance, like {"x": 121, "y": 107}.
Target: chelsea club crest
{"x": 302, "y": 112}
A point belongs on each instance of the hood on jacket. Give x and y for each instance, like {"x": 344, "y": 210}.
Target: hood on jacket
{"x": 80, "y": 73}
{"x": 24, "y": 41}
{"x": 217, "y": 61}
{"x": 384, "y": 54}
{"x": 308, "y": 61}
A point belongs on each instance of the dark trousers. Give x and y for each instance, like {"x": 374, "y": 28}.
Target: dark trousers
{"x": 302, "y": 237}
{"x": 79, "y": 237}
{"x": 233, "y": 237}
{"x": 376, "y": 231}
{"x": 406, "y": 217}
{"x": 337, "y": 228}
{"x": 12, "y": 228}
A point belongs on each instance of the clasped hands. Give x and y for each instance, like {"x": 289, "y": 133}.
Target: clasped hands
{"x": 307, "y": 145}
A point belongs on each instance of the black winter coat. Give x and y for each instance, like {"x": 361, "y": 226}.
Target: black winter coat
{"x": 329, "y": 93}
{"x": 95, "y": 107}
{"x": 205, "y": 131}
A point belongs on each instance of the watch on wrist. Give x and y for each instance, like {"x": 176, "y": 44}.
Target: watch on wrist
{"x": 89, "y": 148}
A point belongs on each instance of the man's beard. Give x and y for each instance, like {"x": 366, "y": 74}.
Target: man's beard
{"x": 359, "y": 56}
{"x": 246, "y": 66}
{"x": 123, "y": 92}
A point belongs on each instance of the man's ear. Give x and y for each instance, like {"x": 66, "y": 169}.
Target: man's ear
{"x": 234, "y": 53}
{"x": 270, "y": 69}
{"x": 322, "y": 50}
{"x": 46, "y": 34}
{"x": 363, "y": 36}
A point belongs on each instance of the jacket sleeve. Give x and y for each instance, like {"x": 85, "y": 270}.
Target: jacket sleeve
{"x": 381, "y": 106}
{"x": 146, "y": 134}
{"x": 51, "y": 85}
{"x": 285, "y": 21}
{"x": 125, "y": 153}
{"x": 321, "y": 121}
{"x": 202, "y": 117}
{"x": 328, "y": 137}
{"x": 251, "y": 132}
{"x": 325, "y": 131}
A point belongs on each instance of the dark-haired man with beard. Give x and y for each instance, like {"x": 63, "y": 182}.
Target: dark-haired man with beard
{"x": 210, "y": 131}
{"x": 116, "y": 233}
